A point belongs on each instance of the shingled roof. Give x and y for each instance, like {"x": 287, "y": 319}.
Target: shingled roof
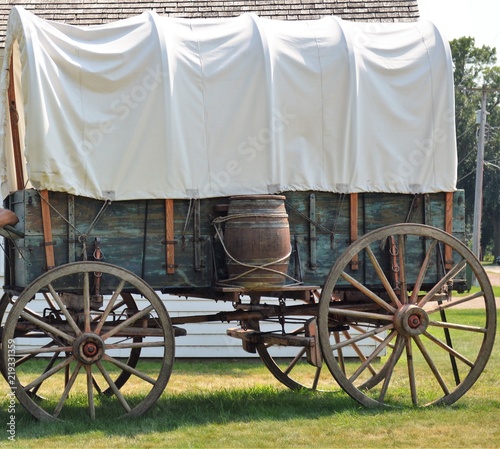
{"x": 93, "y": 12}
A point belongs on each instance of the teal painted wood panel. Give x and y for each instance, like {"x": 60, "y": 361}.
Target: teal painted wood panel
{"x": 132, "y": 234}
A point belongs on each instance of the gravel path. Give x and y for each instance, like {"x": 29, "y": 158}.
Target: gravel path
{"x": 494, "y": 276}
{"x": 493, "y": 272}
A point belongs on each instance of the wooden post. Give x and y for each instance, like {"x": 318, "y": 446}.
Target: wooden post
{"x": 14, "y": 119}
{"x": 448, "y": 227}
{"x": 354, "y": 227}
{"x": 169, "y": 236}
{"x": 47, "y": 229}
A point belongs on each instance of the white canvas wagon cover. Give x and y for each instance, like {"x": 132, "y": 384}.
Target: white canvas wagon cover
{"x": 161, "y": 107}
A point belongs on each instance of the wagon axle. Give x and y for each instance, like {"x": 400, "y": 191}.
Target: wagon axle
{"x": 414, "y": 321}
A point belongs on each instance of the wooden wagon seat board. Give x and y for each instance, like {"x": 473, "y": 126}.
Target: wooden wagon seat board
{"x": 156, "y": 107}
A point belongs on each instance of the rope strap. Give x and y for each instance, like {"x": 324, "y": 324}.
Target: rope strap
{"x": 251, "y": 267}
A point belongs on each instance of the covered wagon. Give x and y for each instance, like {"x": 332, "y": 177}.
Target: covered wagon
{"x": 304, "y": 172}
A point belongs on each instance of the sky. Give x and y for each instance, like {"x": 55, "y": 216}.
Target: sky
{"x": 479, "y": 19}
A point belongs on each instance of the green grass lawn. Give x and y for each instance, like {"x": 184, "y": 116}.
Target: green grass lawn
{"x": 237, "y": 404}
{"x": 496, "y": 291}
{"x": 267, "y": 415}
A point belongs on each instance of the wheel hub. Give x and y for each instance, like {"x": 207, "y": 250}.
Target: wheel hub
{"x": 411, "y": 320}
{"x": 88, "y": 348}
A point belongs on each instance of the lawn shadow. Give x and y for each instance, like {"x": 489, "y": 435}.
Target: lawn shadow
{"x": 173, "y": 411}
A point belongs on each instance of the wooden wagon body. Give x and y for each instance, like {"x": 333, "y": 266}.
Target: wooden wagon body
{"x": 133, "y": 235}
{"x": 336, "y": 180}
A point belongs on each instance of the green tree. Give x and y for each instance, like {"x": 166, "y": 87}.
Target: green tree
{"x": 474, "y": 67}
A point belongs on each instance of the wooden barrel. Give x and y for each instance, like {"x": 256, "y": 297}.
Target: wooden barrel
{"x": 257, "y": 234}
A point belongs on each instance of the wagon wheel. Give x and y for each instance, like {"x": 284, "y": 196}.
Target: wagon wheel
{"x": 423, "y": 348}
{"x": 98, "y": 340}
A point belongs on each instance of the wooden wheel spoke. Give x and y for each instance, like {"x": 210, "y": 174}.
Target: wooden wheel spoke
{"x": 340, "y": 354}
{"x": 442, "y": 282}
{"x": 411, "y": 372}
{"x": 90, "y": 391}
{"x": 455, "y": 302}
{"x": 49, "y": 366}
{"x": 373, "y": 337}
{"x": 362, "y": 357}
{"x": 449, "y": 349}
{"x": 109, "y": 307}
{"x": 48, "y": 373}
{"x": 52, "y": 330}
{"x": 113, "y": 387}
{"x": 67, "y": 389}
{"x": 373, "y": 296}
{"x": 30, "y": 356}
{"x": 357, "y": 338}
{"x": 131, "y": 345}
{"x": 129, "y": 369}
{"x": 317, "y": 375}
{"x": 421, "y": 273}
{"x": 64, "y": 310}
{"x": 96, "y": 386}
{"x": 431, "y": 364}
{"x": 294, "y": 361}
{"x": 30, "y": 353}
{"x": 128, "y": 322}
{"x": 362, "y": 316}
{"x": 461, "y": 327}
{"x": 118, "y": 305}
{"x": 367, "y": 361}
{"x": 385, "y": 282}
{"x": 356, "y": 348}
{"x": 393, "y": 359}
{"x": 49, "y": 302}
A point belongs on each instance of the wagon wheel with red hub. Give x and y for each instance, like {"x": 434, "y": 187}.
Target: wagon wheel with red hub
{"x": 428, "y": 349}
{"x": 85, "y": 347}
